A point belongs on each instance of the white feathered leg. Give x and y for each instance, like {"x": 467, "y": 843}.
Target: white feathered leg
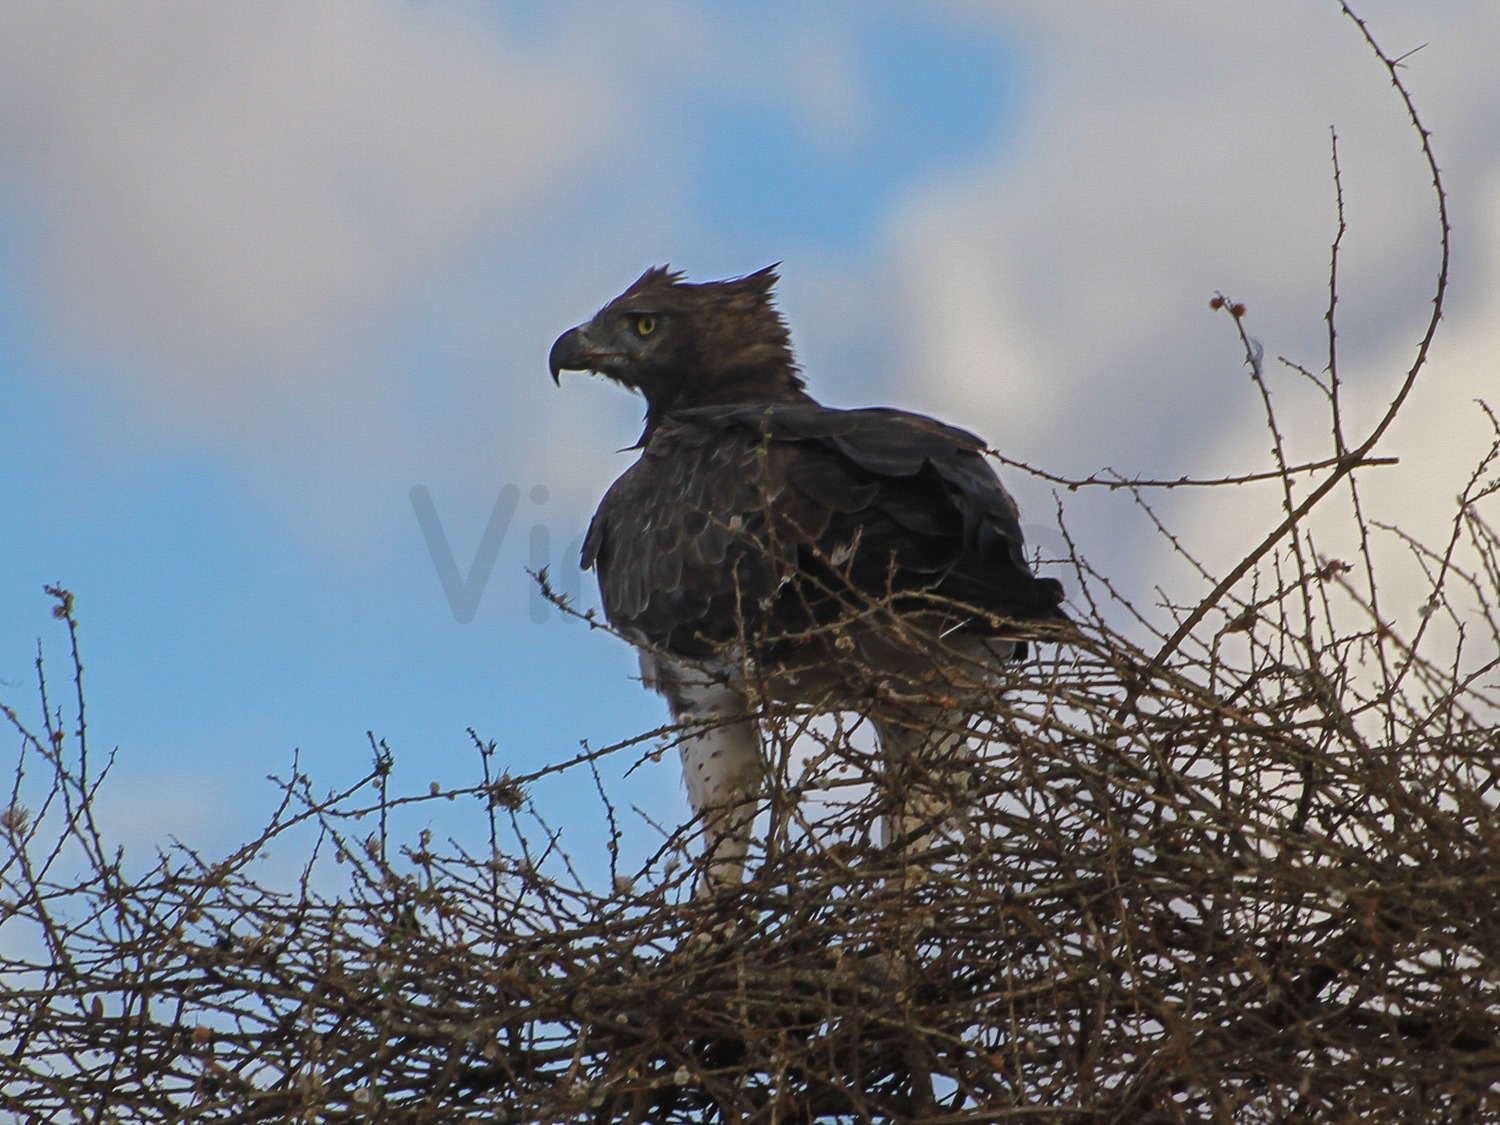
{"x": 925, "y": 751}
{"x": 722, "y": 764}
{"x": 928, "y": 756}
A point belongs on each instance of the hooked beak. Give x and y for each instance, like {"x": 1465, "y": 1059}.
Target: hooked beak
{"x": 569, "y": 353}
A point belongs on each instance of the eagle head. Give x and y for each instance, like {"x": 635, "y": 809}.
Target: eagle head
{"x": 682, "y": 344}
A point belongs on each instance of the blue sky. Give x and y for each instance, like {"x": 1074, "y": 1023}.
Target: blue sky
{"x": 263, "y": 271}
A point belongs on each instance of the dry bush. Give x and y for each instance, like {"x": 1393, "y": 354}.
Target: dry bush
{"x": 1233, "y": 860}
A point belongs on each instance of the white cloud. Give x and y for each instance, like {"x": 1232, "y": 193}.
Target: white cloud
{"x": 224, "y": 194}
{"x": 1060, "y": 295}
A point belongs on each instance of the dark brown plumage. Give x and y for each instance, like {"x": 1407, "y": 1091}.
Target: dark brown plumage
{"x": 828, "y": 548}
{"x": 754, "y": 508}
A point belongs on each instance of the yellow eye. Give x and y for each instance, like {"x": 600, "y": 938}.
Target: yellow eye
{"x": 645, "y": 324}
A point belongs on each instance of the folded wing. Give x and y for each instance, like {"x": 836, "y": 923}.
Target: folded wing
{"x": 770, "y": 520}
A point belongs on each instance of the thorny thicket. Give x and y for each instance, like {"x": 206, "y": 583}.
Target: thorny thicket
{"x": 1243, "y": 870}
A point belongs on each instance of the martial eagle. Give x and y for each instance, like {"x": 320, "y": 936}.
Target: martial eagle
{"x": 765, "y": 542}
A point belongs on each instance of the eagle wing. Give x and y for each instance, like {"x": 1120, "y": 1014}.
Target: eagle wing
{"x": 764, "y": 519}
